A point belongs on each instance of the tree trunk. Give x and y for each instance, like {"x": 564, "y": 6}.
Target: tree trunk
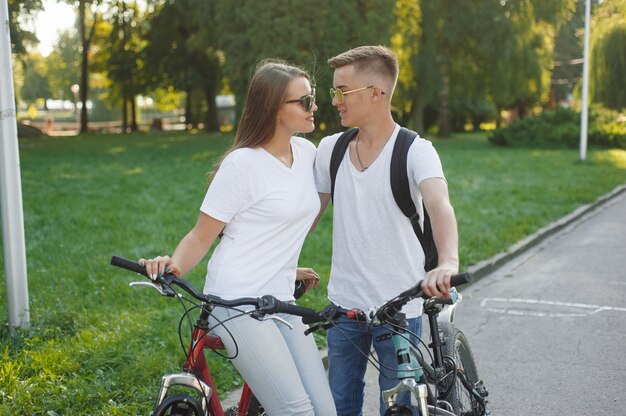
{"x": 133, "y": 113}
{"x": 418, "y": 116}
{"x": 211, "y": 123}
{"x": 444, "y": 103}
{"x": 84, "y": 69}
{"x": 189, "y": 121}
{"x": 124, "y": 113}
{"x": 84, "y": 64}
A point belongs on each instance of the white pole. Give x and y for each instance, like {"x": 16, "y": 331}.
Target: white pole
{"x": 11, "y": 188}
{"x": 585, "y": 98}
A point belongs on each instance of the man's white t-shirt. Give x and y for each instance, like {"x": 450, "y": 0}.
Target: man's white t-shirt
{"x": 376, "y": 254}
{"x": 269, "y": 209}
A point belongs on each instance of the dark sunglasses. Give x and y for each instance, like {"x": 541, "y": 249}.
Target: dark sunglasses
{"x": 307, "y": 101}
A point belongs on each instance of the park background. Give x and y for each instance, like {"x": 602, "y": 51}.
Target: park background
{"x": 120, "y": 168}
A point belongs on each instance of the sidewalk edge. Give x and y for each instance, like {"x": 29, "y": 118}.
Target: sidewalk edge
{"x": 485, "y": 267}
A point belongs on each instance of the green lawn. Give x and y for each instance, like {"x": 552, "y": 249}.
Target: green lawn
{"x": 97, "y": 347}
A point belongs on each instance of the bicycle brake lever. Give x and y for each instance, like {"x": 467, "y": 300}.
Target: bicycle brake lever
{"x": 313, "y": 329}
{"x": 163, "y": 291}
{"x": 276, "y": 318}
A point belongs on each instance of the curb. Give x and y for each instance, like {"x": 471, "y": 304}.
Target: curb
{"x": 485, "y": 267}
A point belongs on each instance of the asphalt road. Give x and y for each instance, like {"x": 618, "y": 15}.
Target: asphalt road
{"x": 548, "y": 326}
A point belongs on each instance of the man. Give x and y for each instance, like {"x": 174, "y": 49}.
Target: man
{"x": 376, "y": 254}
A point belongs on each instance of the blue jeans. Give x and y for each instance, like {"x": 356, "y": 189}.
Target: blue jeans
{"x": 347, "y": 364}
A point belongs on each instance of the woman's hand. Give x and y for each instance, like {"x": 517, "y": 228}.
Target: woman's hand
{"x": 157, "y": 266}
{"x": 310, "y": 278}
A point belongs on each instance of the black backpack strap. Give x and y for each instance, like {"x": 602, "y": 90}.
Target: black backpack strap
{"x": 341, "y": 145}
{"x": 399, "y": 176}
{"x": 402, "y": 194}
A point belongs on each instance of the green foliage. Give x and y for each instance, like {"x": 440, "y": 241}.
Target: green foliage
{"x": 561, "y": 128}
{"x": 608, "y": 55}
{"x": 36, "y": 84}
{"x": 98, "y": 347}
{"x": 21, "y": 12}
{"x": 609, "y": 128}
{"x": 304, "y": 33}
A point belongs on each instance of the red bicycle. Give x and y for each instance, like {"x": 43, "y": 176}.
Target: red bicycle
{"x": 199, "y": 396}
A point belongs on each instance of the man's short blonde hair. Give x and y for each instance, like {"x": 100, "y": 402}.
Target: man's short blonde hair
{"x": 377, "y": 60}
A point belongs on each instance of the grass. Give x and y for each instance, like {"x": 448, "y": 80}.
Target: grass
{"x": 97, "y": 347}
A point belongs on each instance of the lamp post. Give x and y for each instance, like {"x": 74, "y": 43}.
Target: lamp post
{"x": 75, "y": 89}
{"x": 585, "y": 97}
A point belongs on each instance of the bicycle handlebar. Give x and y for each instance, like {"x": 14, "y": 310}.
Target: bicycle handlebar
{"x": 266, "y": 304}
{"x": 386, "y": 312}
{"x": 270, "y": 305}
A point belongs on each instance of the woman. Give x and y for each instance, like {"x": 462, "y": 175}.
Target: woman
{"x": 264, "y": 201}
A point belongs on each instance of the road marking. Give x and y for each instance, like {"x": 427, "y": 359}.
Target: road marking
{"x": 531, "y": 307}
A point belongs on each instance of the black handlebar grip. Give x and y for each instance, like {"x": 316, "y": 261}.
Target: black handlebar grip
{"x": 460, "y": 279}
{"x": 131, "y": 265}
{"x": 272, "y": 305}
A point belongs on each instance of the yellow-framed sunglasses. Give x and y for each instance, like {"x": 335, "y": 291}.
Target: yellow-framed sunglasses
{"x": 338, "y": 94}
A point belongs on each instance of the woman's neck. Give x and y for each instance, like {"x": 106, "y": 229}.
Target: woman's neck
{"x": 280, "y": 147}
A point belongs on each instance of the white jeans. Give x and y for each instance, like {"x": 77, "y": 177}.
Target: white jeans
{"x": 282, "y": 366}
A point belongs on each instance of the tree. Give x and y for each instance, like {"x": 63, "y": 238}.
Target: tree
{"x": 36, "y": 85}
{"x": 303, "y": 33}
{"x": 87, "y": 20}
{"x": 405, "y": 42}
{"x": 522, "y": 76}
{"x": 20, "y": 13}
{"x": 121, "y": 60}
{"x": 63, "y": 64}
{"x": 608, "y": 54}
{"x": 192, "y": 63}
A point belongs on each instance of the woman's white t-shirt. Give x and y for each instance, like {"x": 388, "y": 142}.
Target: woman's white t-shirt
{"x": 268, "y": 209}
{"x": 376, "y": 254}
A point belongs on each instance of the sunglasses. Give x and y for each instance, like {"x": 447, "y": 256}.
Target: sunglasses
{"x": 307, "y": 101}
{"x": 338, "y": 94}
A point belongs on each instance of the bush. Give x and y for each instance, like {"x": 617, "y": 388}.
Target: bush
{"x": 609, "y": 127}
{"x": 561, "y": 128}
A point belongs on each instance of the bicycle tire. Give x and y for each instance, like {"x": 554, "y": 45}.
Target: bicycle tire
{"x": 179, "y": 405}
{"x": 255, "y": 408}
{"x": 467, "y": 393}
{"x": 405, "y": 411}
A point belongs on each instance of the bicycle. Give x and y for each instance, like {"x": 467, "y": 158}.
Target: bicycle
{"x": 451, "y": 373}
{"x": 200, "y": 396}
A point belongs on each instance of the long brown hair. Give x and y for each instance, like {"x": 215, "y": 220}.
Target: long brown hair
{"x": 266, "y": 94}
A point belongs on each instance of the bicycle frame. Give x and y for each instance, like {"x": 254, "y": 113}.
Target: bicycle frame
{"x": 411, "y": 368}
{"x": 197, "y": 374}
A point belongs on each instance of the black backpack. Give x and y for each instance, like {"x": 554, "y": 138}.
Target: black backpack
{"x": 399, "y": 187}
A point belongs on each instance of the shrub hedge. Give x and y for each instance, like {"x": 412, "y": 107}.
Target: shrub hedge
{"x": 561, "y": 129}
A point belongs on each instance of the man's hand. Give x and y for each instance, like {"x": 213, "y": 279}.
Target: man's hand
{"x": 437, "y": 282}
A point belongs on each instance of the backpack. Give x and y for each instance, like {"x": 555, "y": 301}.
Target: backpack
{"x": 399, "y": 187}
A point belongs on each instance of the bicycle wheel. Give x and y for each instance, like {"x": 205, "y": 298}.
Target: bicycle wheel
{"x": 405, "y": 411}
{"x": 255, "y": 408}
{"x": 179, "y": 405}
{"x": 462, "y": 387}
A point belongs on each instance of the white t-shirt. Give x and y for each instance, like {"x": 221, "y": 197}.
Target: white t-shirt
{"x": 376, "y": 254}
{"x": 269, "y": 209}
